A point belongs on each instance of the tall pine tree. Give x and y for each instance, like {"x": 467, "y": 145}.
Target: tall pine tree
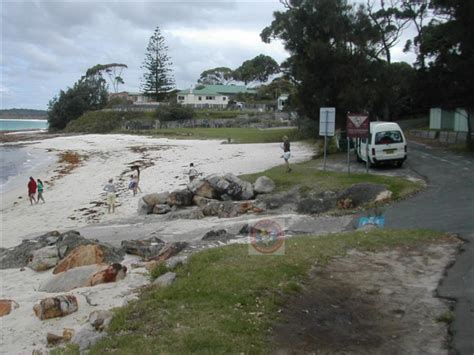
{"x": 158, "y": 78}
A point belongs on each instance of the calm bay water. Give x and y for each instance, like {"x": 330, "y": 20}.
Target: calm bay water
{"x": 20, "y": 125}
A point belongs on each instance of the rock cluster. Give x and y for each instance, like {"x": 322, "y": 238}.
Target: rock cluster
{"x": 215, "y": 195}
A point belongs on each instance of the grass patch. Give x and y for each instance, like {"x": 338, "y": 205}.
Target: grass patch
{"x": 447, "y": 317}
{"x": 307, "y": 176}
{"x": 225, "y": 300}
{"x": 237, "y": 135}
{"x": 158, "y": 270}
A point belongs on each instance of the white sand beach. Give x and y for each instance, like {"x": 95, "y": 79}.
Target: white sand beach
{"x": 71, "y": 203}
{"x": 71, "y": 199}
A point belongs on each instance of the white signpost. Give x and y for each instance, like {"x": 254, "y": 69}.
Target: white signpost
{"x": 327, "y": 125}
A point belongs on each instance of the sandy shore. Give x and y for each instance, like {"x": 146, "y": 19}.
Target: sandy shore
{"x": 76, "y": 199}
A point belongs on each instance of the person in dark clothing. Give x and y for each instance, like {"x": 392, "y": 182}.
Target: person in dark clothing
{"x": 286, "y": 152}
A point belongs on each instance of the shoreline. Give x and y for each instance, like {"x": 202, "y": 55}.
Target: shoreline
{"x": 75, "y": 198}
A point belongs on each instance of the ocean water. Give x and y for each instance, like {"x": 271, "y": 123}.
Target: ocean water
{"x": 17, "y": 164}
{"x": 21, "y": 125}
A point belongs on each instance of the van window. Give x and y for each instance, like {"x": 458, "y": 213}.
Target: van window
{"x": 388, "y": 137}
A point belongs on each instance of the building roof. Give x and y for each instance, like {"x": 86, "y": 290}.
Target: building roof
{"x": 217, "y": 90}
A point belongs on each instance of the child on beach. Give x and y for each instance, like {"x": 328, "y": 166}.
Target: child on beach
{"x": 286, "y": 152}
{"x": 193, "y": 173}
{"x": 32, "y": 190}
{"x": 137, "y": 168}
{"x": 132, "y": 185}
{"x": 110, "y": 189}
{"x": 40, "y": 191}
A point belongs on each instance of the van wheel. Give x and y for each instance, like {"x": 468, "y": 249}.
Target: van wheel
{"x": 359, "y": 160}
{"x": 399, "y": 163}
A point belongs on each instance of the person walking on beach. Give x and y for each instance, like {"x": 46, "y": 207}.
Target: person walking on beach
{"x": 137, "y": 168}
{"x": 110, "y": 189}
{"x": 286, "y": 152}
{"x": 132, "y": 185}
{"x": 40, "y": 191}
{"x": 193, "y": 173}
{"x": 32, "y": 190}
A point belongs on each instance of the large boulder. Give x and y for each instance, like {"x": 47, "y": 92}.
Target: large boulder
{"x": 361, "y": 194}
{"x": 263, "y": 185}
{"x": 315, "y": 205}
{"x": 58, "y": 306}
{"x": 44, "y": 258}
{"x": 145, "y": 248}
{"x": 72, "y": 239}
{"x": 6, "y": 306}
{"x": 165, "y": 280}
{"x": 87, "y": 336}
{"x": 161, "y": 209}
{"x": 83, "y": 276}
{"x": 80, "y": 256}
{"x": 170, "y": 250}
{"x": 238, "y": 189}
{"x": 222, "y": 209}
{"x": 180, "y": 198}
{"x": 204, "y": 189}
{"x": 219, "y": 184}
{"x": 201, "y": 201}
{"x": 20, "y": 255}
{"x": 148, "y": 202}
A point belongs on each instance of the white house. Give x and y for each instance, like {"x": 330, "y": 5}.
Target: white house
{"x": 210, "y": 96}
{"x": 281, "y": 101}
{"x": 455, "y": 120}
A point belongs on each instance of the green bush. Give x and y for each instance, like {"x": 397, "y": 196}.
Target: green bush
{"x": 104, "y": 121}
{"x": 158, "y": 270}
{"x": 174, "y": 113}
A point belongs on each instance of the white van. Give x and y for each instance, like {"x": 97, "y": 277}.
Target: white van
{"x": 386, "y": 144}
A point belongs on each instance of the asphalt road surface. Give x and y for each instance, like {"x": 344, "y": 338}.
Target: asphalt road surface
{"x": 447, "y": 204}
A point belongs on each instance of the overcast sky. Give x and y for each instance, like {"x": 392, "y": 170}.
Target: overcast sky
{"x": 48, "y": 45}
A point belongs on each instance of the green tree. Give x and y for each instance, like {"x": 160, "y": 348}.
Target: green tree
{"x": 448, "y": 42}
{"x": 259, "y": 69}
{"x": 88, "y": 93}
{"x": 216, "y": 76}
{"x": 157, "y": 79}
{"x": 328, "y": 42}
{"x": 113, "y": 71}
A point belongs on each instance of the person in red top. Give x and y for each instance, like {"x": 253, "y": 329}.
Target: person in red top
{"x": 32, "y": 190}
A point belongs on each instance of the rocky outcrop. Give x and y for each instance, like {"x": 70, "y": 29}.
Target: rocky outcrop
{"x": 20, "y": 255}
{"x": 54, "y": 339}
{"x": 86, "y": 337}
{"x": 100, "y": 319}
{"x": 112, "y": 273}
{"x": 263, "y": 185}
{"x": 58, "y": 306}
{"x": 44, "y": 258}
{"x": 217, "y": 235}
{"x": 170, "y": 250}
{"x": 161, "y": 209}
{"x": 81, "y": 256}
{"x": 361, "y": 194}
{"x": 6, "y": 306}
{"x": 203, "y": 188}
{"x": 148, "y": 202}
{"x": 180, "y": 198}
{"x": 146, "y": 248}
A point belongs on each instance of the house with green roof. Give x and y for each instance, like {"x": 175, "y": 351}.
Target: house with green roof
{"x": 211, "y": 96}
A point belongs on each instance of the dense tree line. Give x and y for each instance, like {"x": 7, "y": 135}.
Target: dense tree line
{"x": 341, "y": 55}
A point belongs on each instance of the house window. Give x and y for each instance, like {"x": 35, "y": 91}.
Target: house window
{"x": 200, "y": 98}
{"x": 209, "y": 97}
{"x": 180, "y": 97}
{"x": 224, "y": 98}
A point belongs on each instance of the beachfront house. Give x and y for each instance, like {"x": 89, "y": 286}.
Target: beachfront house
{"x": 211, "y": 96}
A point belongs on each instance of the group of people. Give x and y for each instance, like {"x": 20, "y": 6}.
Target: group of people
{"x": 35, "y": 191}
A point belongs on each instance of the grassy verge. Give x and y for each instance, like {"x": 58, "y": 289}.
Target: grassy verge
{"x": 225, "y": 300}
{"x": 237, "y": 135}
{"x": 309, "y": 178}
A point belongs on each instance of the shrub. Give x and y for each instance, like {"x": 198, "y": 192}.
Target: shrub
{"x": 103, "y": 121}
{"x": 174, "y": 113}
{"x": 158, "y": 270}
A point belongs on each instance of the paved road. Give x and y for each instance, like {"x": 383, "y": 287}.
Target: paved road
{"x": 447, "y": 204}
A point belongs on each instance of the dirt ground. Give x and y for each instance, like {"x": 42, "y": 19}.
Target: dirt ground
{"x": 371, "y": 303}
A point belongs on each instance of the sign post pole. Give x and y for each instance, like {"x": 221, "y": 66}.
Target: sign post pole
{"x": 358, "y": 126}
{"x": 348, "y": 155}
{"x": 325, "y": 139}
